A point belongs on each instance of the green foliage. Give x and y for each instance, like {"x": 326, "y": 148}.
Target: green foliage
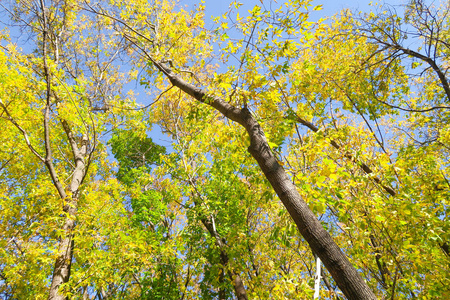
{"x": 160, "y": 224}
{"x": 162, "y": 284}
{"x": 148, "y": 208}
{"x": 136, "y": 154}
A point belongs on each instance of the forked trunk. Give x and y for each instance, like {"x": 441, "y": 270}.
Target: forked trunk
{"x": 61, "y": 271}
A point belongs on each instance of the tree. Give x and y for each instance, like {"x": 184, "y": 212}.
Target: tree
{"x": 245, "y": 89}
{"x": 308, "y": 104}
{"x": 63, "y": 79}
{"x": 348, "y": 279}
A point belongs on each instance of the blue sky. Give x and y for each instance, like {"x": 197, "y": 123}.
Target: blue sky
{"x": 219, "y": 7}
{"x": 215, "y": 8}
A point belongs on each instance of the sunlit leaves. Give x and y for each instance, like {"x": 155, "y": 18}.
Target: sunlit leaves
{"x": 156, "y": 224}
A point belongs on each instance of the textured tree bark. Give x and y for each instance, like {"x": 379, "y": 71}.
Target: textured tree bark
{"x": 63, "y": 263}
{"x": 239, "y": 288}
{"x": 61, "y": 270}
{"x": 347, "y": 278}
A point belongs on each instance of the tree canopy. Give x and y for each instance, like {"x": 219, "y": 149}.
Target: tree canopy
{"x": 284, "y": 143}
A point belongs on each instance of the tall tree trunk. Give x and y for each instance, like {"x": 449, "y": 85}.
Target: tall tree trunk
{"x": 320, "y": 241}
{"x": 61, "y": 271}
{"x": 236, "y": 280}
{"x": 239, "y": 288}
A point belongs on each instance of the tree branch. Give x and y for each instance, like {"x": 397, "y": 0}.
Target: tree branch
{"x": 24, "y": 133}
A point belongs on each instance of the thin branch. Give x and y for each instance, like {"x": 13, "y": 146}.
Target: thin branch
{"x": 101, "y": 13}
{"x": 48, "y": 150}
{"x": 365, "y": 168}
{"x": 24, "y": 133}
{"x": 410, "y": 109}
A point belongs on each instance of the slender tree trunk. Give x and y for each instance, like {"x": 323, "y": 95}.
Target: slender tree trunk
{"x": 61, "y": 271}
{"x": 208, "y": 222}
{"x": 362, "y": 165}
{"x": 238, "y": 285}
{"x": 320, "y": 241}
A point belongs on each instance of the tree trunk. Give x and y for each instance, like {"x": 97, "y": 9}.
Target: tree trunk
{"x": 348, "y": 279}
{"x": 236, "y": 280}
{"x": 61, "y": 271}
{"x": 208, "y": 222}
{"x": 239, "y": 288}
{"x": 320, "y": 241}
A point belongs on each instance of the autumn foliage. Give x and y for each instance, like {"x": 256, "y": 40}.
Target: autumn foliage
{"x": 150, "y": 152}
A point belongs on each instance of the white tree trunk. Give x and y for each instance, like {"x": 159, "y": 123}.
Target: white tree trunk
{"x": 318, "y": 278}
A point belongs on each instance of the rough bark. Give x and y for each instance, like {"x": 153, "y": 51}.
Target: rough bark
{"x": 345, "y": 275}
{"x": 61, "y": 271}
{"x": 347, "y": 278}
{"x": 239, "y": 288}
